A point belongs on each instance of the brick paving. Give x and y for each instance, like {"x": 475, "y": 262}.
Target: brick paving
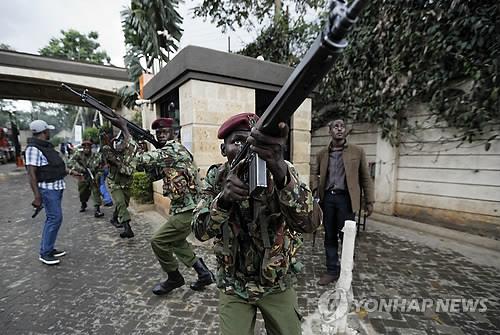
{"x": 103, "y": 285}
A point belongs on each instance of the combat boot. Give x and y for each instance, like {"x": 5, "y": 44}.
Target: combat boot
{"x": 127, "y": 232}
{"x": 98, "y": 213}
{"x": 205, "y": 276}
{"x": 114, "y": 221}
{"x": 83, "y": 207}
{"x": 174, "y": 280}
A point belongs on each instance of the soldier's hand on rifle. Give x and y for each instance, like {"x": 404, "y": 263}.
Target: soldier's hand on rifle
{"x": 234, "y": 188}
{"x": 271, "y": 149}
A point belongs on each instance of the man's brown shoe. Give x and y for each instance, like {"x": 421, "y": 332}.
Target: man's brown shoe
{"x": 327, "y": 279}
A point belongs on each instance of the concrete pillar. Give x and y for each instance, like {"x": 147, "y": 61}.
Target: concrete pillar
{"x": 386, "y": 176}
{"x": 300, "y": 139}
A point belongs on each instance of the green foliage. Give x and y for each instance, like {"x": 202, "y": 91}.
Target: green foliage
{"x": 282, "y": 41}
{"x": 423, "y": 53}
{"x": 74, "y": 45}
{"x": 60, "y": 116}
{"x": 91, "y": 134}
{"x": 229, "y": 14}
{"x": 444, "y": 53}
{"x": 6, "y": 107}
{"x": 128, "y": 94}
{"x": 142, "y": 188}
{"x": 141, "y": 23}
{"x": 137, "y": 118}
{"x": 56, "y": 141}
{"x": 4, "y": 46}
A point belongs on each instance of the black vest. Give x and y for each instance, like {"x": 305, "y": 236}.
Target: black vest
{"x": 56, "y": 169}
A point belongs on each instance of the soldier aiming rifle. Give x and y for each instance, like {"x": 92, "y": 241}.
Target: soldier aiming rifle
{"x": 256, "y": 207}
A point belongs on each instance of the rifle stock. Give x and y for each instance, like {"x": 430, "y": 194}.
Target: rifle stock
{"x": 137, "y": 132}
{"x": 316, "y": 63}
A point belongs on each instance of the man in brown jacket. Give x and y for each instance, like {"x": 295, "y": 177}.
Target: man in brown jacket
{"x": 339, "y": 175}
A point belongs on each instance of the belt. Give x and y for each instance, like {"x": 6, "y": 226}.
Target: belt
{"x": 337, "y": 191}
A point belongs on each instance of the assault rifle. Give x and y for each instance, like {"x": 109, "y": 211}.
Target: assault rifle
{"x": 137, "y": 132}
{"x": 314, "y": 66}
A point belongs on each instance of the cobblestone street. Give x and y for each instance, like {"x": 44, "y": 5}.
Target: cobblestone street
{"x": 103, "y": 285}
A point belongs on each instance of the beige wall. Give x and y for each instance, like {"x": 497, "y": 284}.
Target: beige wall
{"x": 204, "y": 106}
{"x": 439, "y": 178}
{"x": 300, "y": 139}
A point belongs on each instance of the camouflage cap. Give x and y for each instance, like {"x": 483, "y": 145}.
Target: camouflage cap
{"x": 163, "y": 122}
{"x": 242, "y": 121}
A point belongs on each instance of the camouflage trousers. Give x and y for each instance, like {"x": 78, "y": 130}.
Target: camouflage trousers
{"x": 86, "y": 188}
{"x": 170, "y": 239}
{"x": 121, "y": 199}
{"x": 279, "y": 311}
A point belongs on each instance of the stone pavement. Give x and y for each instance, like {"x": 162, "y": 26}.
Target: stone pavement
{"x": 103, "y": 285}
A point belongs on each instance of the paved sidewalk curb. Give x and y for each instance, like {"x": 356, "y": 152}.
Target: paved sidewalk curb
{"x": 476, "y": 240}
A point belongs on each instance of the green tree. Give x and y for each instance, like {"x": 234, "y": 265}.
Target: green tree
{"x": 427, "y": 52}
{"x": 283, "y": 41}
{"x": 6, "y": 107}
{"x": 152, "y": 31}
{"x": 74, "y": 45}
{"x": 4, "y": 46}
{"x": 229, "y": 14}
{"x": 91, "y": 134}
{"x": 61, "y": 116}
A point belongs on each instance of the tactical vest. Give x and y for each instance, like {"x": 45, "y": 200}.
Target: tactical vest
{"x": 56, "y": 169}
{"x": 271, "y": 241}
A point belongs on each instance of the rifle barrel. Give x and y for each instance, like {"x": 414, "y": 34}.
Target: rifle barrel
{"x": 110, "y": 114}
{"x": 314, "y": 66}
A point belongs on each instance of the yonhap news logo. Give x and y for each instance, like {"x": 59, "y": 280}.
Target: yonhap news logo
{"x": 446, "y": 305}
{"x": 334, "y": 305}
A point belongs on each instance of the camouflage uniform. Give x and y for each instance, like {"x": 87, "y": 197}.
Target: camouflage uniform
{"x": 174, "y": 164}
{"x": 121, "y": 168}
{"x": 79, "y": 162}
{"x": 256, "y": 258}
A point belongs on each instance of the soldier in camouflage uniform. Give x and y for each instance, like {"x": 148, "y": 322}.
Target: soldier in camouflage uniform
{"x": 255, "y": 253}
{"x": 174, "y": 164}
{"x": 120, "y": 159}
{"x": 87, "y": 166}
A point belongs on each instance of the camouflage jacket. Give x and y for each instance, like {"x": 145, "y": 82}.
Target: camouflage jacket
{"x": 84, "y": 164}
{"x": 121, "y": 164}
{"x": 255, "y": 256}
{"x": 174, "y": 164}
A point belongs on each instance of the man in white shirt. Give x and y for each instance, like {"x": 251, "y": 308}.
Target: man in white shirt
{"x": 46, "y": 171}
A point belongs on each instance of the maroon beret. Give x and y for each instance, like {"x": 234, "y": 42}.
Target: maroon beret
{"x": 163, "y": 122}
{"x": 243, "y": 121}
{"x": 87, "y": 142}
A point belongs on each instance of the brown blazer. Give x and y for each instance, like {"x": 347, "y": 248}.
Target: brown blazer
{"x": 356, "y": 174}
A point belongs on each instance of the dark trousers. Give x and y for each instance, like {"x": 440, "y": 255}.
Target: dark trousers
{"x": 336, "y": 210}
